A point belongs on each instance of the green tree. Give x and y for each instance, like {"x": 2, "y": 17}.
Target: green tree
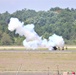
{"x": 6, "y": 40}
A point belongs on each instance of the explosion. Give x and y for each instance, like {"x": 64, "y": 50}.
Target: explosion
{"x": 32, "y": 39}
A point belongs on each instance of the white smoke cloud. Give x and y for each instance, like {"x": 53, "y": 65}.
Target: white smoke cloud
{"x": 57, "y": 40}
{"x": 33, "y": 40}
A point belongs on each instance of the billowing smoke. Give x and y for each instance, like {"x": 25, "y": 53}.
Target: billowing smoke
{"x": 32, "y": 39}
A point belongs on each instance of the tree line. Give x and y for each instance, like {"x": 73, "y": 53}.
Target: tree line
{"x": 56, "y": 20}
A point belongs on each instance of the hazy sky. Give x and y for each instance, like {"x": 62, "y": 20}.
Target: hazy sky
{"x": 14, "y": 5}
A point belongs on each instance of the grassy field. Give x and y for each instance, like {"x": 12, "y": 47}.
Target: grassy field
{"x": 69, "y": 47}
{"x": 37, "y": 61}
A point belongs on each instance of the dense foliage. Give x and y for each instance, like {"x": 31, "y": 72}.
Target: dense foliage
{"x": 56, "y": 20}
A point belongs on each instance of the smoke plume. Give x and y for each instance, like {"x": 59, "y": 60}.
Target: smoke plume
{"x": 32, "y": 39}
